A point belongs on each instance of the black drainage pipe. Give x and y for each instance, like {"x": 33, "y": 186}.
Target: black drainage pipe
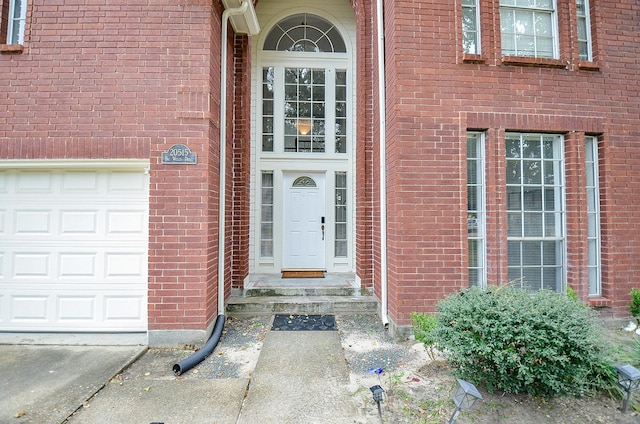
{"x": 199, "y": 356}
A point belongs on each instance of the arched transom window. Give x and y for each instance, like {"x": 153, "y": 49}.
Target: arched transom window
{"x": 305, "y": 33}
{"x": 304, "y": 87}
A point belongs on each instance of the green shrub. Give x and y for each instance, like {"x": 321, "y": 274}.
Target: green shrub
{"x": 513, "y": 340}
{"x": 571, "y": 294}
{"x": 634, "y": 306}
{"x": 423, "y": 325}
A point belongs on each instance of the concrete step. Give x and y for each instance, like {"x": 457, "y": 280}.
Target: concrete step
{"x": 309, "y": 304}
{"x": 301, "y": 291}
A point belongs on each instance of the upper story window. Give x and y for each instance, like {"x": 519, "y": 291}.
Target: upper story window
{"x": 529, "y": 28}
{"x": 470, "y": 26}
{"x": 584, "y": 30}
{"x": 14, "y": 18}
{"x": 305, "y": 33}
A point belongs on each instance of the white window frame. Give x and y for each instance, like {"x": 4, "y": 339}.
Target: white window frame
{"x": 586, "y": 18}
{"x": 515, "y": 7}
{"x": 476, "y": 218}
{"x": 593, "y": 216}
{"x": 12, "y": 21}
{"x": 526, "y": 216}
{"x": 475, "y": 7}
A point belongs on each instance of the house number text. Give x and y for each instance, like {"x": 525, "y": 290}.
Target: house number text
{"x": 179, "y": 154}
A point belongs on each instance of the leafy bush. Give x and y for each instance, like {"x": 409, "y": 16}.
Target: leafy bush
{"x": 634, "y": 306}
{"x": 541, "y": 343}
{"x": 571, "y": 294}
{"x": 423, "y": 325}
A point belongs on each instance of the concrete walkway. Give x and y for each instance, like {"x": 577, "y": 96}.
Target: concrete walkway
{"x": 301, "y": 377}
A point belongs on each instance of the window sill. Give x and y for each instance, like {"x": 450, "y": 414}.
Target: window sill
{"x": 11, "y": 48}
{"x": 541, "y": 62}
{"x": 588, "y": 66}
{"x": 473, "y": 58}
{"x": 600, "y": 302}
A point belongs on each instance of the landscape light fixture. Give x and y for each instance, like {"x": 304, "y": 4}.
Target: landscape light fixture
{"x": 464, "y": 397}
{"x": 629, "y": 381}
{"x": 378, "y": 396}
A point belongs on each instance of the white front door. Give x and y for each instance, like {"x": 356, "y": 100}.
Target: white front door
{"x": 304, "y": 221}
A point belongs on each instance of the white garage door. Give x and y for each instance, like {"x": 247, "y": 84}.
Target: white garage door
{"x": 73, "y": 250}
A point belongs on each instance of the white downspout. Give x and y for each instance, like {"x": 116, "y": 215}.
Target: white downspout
{"x": 223, "y": 150}
{"x": 382, "y": 106}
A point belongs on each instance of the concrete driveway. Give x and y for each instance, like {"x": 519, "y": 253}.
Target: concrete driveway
{"x": 47, "y": 383}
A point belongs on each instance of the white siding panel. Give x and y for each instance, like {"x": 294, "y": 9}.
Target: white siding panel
{"x": 73, "y": 251}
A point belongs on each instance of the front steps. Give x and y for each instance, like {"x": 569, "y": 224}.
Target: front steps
{"x": 272, "y": 295}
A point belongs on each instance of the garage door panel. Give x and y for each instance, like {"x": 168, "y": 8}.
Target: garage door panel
{"x": 125, "y": 182}
{"x": 35, "y": 265}
{"x": 3, "y": 223}
{"x": 32, "y": 308}
{"x": 79, "y": 181}
{"x": 29, "y": 182}
{"x": 121, "y": 222}
{"x": 4, "y": 178}
{"x": 32, "y": 222}
{"x": 75, "y": 222}
{"x": 124, "y": 265}
{"x": 78, "y": 265}
{"x": 124, "y": 308}
{"x": 75, "y": 253}
{"x": 75, "y": 309}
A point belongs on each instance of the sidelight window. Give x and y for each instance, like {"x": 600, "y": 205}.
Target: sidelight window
{"x": 593, "y": 215}
{"x": 266, "y": 215}
{"x": 476, "y": 209}
{"x": 341, "y": 215}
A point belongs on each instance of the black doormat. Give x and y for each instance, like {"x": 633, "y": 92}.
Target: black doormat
{"x": 304, "y": 322}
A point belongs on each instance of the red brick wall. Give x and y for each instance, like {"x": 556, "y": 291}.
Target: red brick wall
{"x": 126, "y": 80}
{"x": 241, "y": 163}
{"x": 120, "y": 79}
{"x": 367, "y": 255}
{"x": 434, "y": 96}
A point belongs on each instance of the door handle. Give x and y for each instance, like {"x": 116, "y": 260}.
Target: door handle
{"x": 322, "y": 226}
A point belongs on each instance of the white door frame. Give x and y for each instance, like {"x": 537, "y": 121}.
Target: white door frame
{"x": 278, "y": 162}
